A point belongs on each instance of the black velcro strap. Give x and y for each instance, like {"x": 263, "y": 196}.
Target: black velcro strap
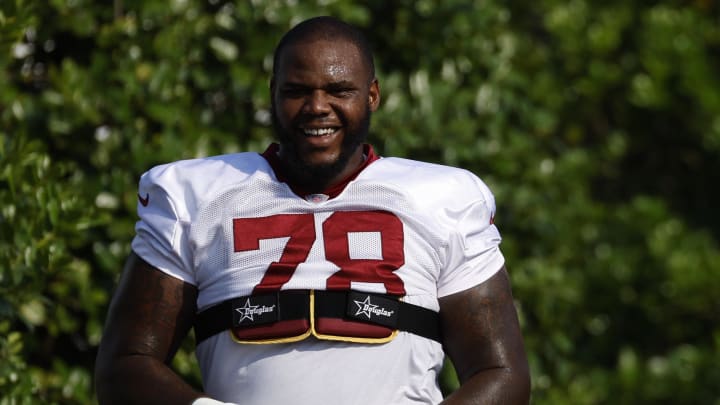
{"x": 379, "y": 309}
{"x": 252, "y": 310}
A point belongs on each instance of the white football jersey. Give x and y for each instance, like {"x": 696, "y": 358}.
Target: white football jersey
{"x": 227, "y": 225}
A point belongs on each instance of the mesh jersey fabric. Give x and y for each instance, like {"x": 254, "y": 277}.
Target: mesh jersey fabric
{"x": 228, "y": 226}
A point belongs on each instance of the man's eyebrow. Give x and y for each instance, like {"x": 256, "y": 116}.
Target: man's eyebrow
{"x": 293, "y": 84}
{"x": 342, "y": 84}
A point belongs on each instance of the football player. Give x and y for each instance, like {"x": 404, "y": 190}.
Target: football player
{"x": 316, "y": 271}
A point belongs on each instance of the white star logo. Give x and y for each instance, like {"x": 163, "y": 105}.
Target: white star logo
{"x": 247, "y": 311}
{"x": 365, "y": 307}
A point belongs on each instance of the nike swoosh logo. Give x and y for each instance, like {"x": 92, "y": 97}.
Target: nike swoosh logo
{"x": 144, "y": 201}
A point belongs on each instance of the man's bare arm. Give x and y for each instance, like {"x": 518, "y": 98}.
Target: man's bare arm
{"x": 149, "y": 316}
{"x": 481, "y": 335}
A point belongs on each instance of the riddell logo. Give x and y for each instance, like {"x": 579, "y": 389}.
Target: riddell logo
{"x": 369, "y": 309}
{"x": 144, "y": 201}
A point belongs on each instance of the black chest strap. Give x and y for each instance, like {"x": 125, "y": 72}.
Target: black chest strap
{"x": 262, "y": 310}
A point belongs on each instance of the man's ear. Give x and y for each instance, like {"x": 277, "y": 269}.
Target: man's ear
{"x": 374, "y": 95}
{"x": 272, "y": 94}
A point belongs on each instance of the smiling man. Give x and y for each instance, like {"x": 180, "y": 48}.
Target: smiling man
{"x": 317, "y": 271}
{"x": 323, "y": 92}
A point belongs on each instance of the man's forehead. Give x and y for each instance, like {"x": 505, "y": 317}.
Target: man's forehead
{"x": 337, "y": 57}
{"x": 323, "y": 47}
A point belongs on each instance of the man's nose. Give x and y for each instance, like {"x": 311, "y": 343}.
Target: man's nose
{"x": 317, "y": 103}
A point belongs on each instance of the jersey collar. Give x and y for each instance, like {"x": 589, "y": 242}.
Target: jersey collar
{"x": 271, "y": 155}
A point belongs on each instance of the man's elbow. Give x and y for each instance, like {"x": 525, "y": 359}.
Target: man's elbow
{"x": 521, "y": 384}
{"x": 508, "y": 385}
{"x": 104, "y": 380}
{"x": 110, "y": 375}
{"x": 512, "y": 386}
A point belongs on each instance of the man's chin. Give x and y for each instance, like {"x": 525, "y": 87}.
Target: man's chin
{"x": 320, "y": 168}
{"x": 319, "y": 161}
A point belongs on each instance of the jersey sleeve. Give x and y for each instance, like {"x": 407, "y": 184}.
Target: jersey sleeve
{"x": 473, "y": 254}
{"x": 161, "y": 232}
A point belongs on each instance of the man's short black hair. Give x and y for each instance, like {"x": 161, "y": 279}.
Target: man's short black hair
{"x": 326, "y": 28}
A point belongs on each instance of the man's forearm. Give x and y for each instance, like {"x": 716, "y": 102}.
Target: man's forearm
{"x": 493, "y": 386}
{"x": 136, "y": 379}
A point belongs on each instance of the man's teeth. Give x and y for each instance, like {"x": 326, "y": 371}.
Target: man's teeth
{"x": 318, "y": 131}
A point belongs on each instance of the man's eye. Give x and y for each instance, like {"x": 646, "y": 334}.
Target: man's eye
{"x": 343, "y": 92}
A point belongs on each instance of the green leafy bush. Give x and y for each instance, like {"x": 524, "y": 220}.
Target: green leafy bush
{"x": 597, "y": 125}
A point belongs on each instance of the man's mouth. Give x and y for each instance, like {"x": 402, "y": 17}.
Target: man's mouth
{"x": 319, "y": 131}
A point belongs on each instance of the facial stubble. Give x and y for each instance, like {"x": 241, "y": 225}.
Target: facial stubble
{"x": 316, "y": 177}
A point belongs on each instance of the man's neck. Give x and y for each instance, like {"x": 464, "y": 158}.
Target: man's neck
{"x": 304, "y": 184}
